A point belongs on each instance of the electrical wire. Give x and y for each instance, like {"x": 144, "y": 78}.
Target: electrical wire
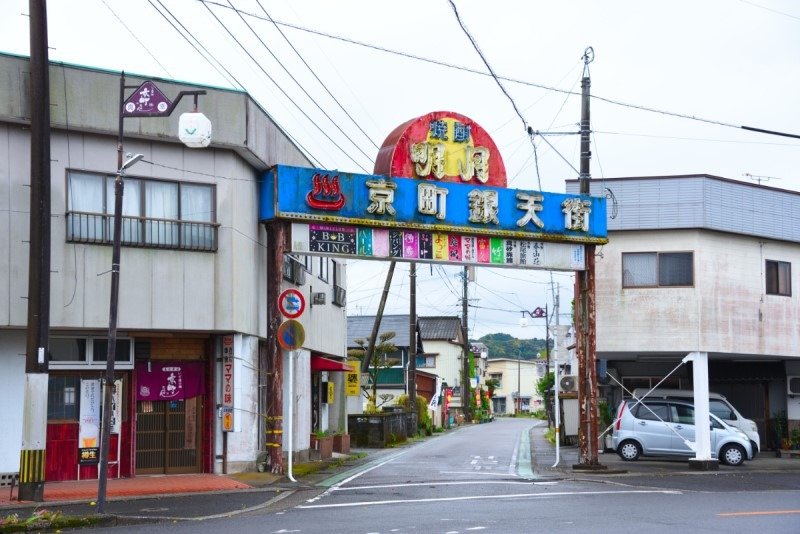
{"x": 282, "y": 90}
{"x": 303, "y": 89}
{"x": 515, "y": 80}
{"x": 119, "y": 19}
{"x": 299, "y": 55}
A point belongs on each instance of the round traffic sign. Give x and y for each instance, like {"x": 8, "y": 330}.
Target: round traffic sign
{"x": 291, "y": 303}
{"x": 291, "y": 335}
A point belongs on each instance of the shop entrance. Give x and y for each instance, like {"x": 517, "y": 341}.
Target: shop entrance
{"x": 168, "y": 436}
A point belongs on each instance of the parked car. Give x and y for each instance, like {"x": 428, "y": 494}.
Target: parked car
{"x": 717, "y": 404}
{"x": 661, "y": 427}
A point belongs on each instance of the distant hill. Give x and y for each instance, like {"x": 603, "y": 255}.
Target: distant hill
{"x": 507, "y": 346}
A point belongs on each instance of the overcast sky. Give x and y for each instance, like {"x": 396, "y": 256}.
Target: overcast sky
{"x": 728, "y": 63}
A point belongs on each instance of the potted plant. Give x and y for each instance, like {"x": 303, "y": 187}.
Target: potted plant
{"x": 605, "y": 419}
{"x": 321, "y": 445}
{"x": 341, "y": 443}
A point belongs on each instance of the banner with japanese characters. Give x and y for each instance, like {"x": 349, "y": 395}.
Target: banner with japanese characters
{"x": 89, "y": 423}
{"x": 434, "y": 247}
{"x": 431, "y": 207}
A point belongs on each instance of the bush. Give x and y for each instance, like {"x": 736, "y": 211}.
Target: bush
{"x": 539, "y": 414}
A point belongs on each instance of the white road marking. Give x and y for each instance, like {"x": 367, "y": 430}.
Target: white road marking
{"x": 355, "y": 476}
{"x": 476, "y": 528}
{"x": 490, "y": 497}
{"x": 476, "y": 473}
{"x": 432, "y": 484}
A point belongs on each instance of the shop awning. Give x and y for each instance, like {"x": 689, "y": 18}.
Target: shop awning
{"x": 318, "y": 363}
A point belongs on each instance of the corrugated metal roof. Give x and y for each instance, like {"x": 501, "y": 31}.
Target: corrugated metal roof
{"x": 699, "y": 201}
{"x": 360, "y": 327}
{"x": 441, "y": 327}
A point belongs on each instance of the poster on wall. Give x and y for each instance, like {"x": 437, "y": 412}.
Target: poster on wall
{"x": 227, "y": 383}
{"x": 89, "y": 423}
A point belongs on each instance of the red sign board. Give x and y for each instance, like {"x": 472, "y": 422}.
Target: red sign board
{"x": 444, "y": 146}
{"x": 292, "y": 303}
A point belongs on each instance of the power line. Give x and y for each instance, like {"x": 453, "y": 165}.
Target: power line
{"x": 299, "y": 55}
{"x": 137, "y": 39}
{"x": 281, "y": 89}
{"x": 512, "y": 80}
{"x": 320, "y": 108}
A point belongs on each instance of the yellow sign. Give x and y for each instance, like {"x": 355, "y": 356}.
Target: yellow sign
{"x": 227, "y": 419}
{"x": 352, "y": 386}
{"x": 331, "y": 391}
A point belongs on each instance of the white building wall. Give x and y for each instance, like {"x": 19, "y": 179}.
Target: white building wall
{"x": 12, "y": 392}
{"x": 299, "y": 401}
{"x": 448, "y": 361}
{"x": 719, "y": 314}
{"x": 511, "y": 369}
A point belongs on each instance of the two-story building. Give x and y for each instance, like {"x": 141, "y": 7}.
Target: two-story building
{"x": 193, "y": 278}
{"x": 517, "y": 381}
{"x": 702, "y": 263}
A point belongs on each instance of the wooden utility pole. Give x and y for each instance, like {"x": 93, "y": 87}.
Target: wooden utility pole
{"x": 276, "y": 245}
{"x": 585, "y": 313}
{"x": 34, "y": 418}
{"x": 412, "y": 337}
{"x": 465, "y": 396}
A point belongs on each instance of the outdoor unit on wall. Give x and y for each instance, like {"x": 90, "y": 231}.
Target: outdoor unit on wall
{"x": 793, "y": 385}
{"x": 318, "y": 298}
{"x": 568, "y": 383}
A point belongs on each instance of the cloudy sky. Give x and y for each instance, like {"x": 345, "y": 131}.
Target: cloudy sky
{"x": 673, "y": 84}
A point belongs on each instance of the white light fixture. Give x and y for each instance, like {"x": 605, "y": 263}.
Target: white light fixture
{"x": 194, "y": 130}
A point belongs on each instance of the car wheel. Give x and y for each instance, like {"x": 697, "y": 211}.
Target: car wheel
{"x": 732, "y": 454}
{"x": 629, "y": 450}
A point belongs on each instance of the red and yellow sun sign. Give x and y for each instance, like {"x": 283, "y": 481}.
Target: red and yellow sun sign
{"x": 444, "y": 146}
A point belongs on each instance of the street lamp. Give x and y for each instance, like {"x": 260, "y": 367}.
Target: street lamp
{"x": 111, "y": 352}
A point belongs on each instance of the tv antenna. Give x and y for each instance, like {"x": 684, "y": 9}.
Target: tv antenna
{"x": 760, "y": 179}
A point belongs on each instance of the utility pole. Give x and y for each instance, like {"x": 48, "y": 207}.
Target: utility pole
{"x": 585, "y": 311}
{"x": 34, "y": 419}
{"x": 276, "y": 240}
{"x": 465, "y": 362}
{"x": 412, "y": 337}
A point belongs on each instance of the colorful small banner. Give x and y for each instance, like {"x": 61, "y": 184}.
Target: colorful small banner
{"x": 89, "y": 423}
{"x": 408, "y": 245}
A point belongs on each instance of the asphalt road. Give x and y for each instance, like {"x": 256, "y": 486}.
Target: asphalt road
{"x": 478, "y": 479}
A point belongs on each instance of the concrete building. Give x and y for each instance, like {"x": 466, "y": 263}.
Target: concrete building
{"x": 193, "y": 275}
{"x": 702, "y": 263}
{"x": 517, "y": 389}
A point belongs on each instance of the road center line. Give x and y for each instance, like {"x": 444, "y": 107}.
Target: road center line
{"x": 416, "y": 484}
{"x": 765, "y": 512}
{"x": 487, "y": 497}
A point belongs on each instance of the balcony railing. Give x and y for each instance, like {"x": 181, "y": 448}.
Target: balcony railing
{"x": 339, "y": 296}
{"x": 142, "y": 231}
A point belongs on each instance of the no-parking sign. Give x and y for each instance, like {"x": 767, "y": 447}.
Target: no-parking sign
{"x": 291, "y": 303}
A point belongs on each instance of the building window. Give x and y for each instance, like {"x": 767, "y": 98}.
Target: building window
{"x": 323, "y": 269}
{"x": 62, "y": 397}
{"x": 294, "y": 270}
{"x": 657, "y": 269}
{"x": 339, "y": 292}
{"x": 155, "y": 213}
{"x": 83, "y": 353}
{"x": 779, "y": 278}
{"x": 308, "y": 263}
{"x": 425, "y": 361}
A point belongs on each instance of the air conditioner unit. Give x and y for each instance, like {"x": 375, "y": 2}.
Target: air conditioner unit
{"x": 318, "y": 298}
{"x": 793, "y": 385}
{"x": 568, "y": 383}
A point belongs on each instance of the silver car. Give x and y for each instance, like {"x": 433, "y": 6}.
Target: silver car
{"x": 662, "y": 427}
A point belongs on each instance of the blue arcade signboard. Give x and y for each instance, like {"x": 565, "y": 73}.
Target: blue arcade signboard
{"x": 318, "y": 196}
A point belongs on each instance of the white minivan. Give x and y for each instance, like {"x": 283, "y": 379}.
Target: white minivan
{"x": 717, "y": 404}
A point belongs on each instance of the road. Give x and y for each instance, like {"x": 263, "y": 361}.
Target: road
{"x": 479, "y": 479}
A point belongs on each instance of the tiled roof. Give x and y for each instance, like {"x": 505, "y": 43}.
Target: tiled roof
{"x": 442, "y": 327}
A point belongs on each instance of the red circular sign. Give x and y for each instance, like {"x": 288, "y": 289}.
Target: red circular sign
{"x": 291, "y": 303}
{"x": 445, "y": 146}
{"x": 291, "y": 335}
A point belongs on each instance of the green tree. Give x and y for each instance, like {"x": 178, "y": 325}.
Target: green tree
{"x": 379, "y": 361}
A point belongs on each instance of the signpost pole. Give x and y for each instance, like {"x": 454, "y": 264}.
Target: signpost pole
{"x": 290, "y": 421}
